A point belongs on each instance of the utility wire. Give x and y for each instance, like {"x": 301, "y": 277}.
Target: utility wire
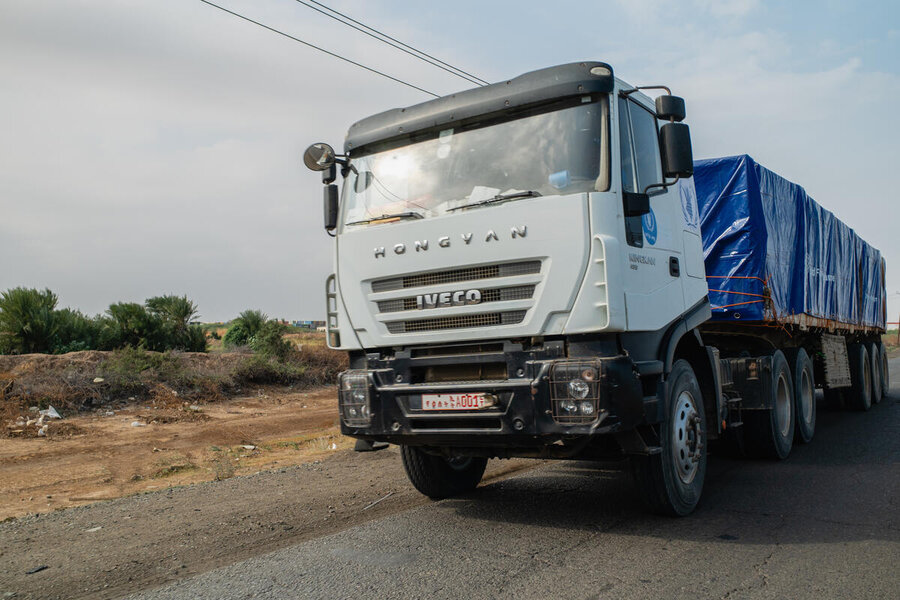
{"x": 382, "y": 37}
{"x": 352, "y": 62}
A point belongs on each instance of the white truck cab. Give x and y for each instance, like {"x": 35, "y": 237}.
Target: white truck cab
{"x": 516, "y": 267}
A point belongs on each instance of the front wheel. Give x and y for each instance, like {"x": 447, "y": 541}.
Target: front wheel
{"x": 671, "y": 481}
{"x": 438, "y": 477}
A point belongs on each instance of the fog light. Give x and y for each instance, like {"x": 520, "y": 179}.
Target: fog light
{"x": 587, "y": 408}
{"x": 579, "y": 389}
{"x": 568, "y": 405}
{"x": 354, "y": 398}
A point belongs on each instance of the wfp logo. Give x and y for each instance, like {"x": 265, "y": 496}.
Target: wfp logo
{"x": 689, "y": 205}
{"x": 648, "y": 223}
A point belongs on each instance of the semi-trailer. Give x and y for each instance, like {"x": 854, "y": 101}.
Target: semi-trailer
{"x": 538, "y": 268}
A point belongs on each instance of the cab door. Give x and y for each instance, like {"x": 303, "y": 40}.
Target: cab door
{"x": 654, "y": 241}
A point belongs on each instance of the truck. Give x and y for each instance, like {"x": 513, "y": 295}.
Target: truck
{"x": 539, "y": 268}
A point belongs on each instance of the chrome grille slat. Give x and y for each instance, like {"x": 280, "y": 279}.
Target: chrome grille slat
{"x": 454, "y": 275}
{"x": 521, "y": 292}
{"x": 457, "y": 322}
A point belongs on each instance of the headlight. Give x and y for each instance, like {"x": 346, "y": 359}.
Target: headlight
{"x": 575, "y": 391}
{"x": 353, "y": 398}
{"x": 579, "y": 389}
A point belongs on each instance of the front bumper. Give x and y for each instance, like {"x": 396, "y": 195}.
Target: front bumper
{"x": 522, "y": 416}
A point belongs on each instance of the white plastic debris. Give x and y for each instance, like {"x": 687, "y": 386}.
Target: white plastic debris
{"x": 248, "y": 447}
{"x": 93, "y": 529}
{"x": 333, "y": 446}
{"x": 42, "y": 431}
{"x": 98, "y": 380}
{"x": 30, "y": 422}
{"x": 109, "y": 413}
{"x": 51, "y": 413}
{"x": 138, "y": 424}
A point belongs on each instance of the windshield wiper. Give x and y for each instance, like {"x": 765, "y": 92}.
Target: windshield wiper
{"x": 401, "y": 215}
{"x": 499, "y": 198}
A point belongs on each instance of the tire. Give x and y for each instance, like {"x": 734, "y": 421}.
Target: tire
{"x": 438, "y": 477}
{"x": 770, "y": 433}
{"x": 875, "y": 361}
{"x": 885, "y": 373}
{"x": 804, "y": 395}
{"x": 860, "y": 396}
{"x": 671, "y": 481}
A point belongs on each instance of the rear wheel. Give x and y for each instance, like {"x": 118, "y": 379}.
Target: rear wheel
{"x": 885, "y": 374}
{"x": 804, "y": 395}
{"x": 671, "y": 482}
{"x": 438, "y": 477}
{"x": 875, "y": 361}
{"x": 860, "y": 396}
{"x": 770, "y": 432}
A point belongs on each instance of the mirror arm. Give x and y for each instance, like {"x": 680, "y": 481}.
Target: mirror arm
{"x": 627, "y": 93}
{"x": 664, "y": 184}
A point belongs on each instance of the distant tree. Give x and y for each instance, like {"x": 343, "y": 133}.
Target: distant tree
{"x": 28, "y": 321}
{"x": 176, "y": 313}
{"x": 244, "y": 327}
{"x": 176, "y": 310}
{"x": 131, "y": 324}
{"x": 75, "y": 331}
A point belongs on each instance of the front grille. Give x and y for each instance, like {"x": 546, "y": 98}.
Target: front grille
{"x": 458, "y": 322}
{"x": 529, "y": 267}
{"x": 521, "y": 292}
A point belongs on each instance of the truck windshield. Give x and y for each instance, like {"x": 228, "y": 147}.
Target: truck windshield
{"x": 562, "y": 151}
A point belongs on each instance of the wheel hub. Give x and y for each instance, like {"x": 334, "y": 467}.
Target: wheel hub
{"x": 687, "y": 438}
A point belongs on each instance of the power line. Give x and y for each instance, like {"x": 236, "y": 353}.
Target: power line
{"x": 390, "y": 42}
{"x": 296, "y": 39}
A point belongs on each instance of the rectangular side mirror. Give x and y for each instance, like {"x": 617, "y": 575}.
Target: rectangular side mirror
{"x": 675, "y": 147}
{"x": 331, "y": 207}
{"x": 670, "y": 108}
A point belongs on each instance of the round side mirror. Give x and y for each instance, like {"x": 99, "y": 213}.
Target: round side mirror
{"x": 318, "y": 157}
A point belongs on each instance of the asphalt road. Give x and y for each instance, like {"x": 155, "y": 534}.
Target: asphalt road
{"x": 823, "y": 524}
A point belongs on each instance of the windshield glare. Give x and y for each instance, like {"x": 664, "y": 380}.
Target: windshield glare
{"x": 551, "y": 153}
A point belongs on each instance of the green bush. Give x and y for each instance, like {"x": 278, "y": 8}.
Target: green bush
{"x": 236, "y": 336}
{"x": 246, "y": 326}
{"x": 269, "y": 341}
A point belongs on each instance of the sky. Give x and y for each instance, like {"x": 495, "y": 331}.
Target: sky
{"x": 153, "y": 147}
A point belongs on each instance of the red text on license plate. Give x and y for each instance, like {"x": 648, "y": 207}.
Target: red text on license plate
{"x": 455, "y": 401}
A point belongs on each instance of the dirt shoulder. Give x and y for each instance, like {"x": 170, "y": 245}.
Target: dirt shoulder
{"x": 112, "y": 453}
{"x": 111, "y": 548}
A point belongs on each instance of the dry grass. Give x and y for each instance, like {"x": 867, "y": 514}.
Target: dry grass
{"x": 171, "y": 382}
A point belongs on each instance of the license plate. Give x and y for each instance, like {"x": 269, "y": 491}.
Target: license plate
{"x": 475, "y": 401}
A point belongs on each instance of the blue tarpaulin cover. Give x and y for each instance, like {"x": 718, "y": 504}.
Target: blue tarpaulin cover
{"x": 772, "y": 252}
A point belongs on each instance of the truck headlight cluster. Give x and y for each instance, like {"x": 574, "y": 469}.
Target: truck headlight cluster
{"x": 353, "y": 398}
{"x": 575, "y": 391}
